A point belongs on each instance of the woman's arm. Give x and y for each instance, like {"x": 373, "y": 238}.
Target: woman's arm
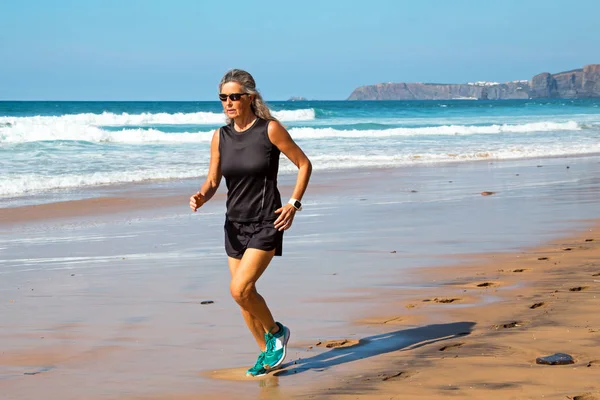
{"x": 213, "y": 179}
{"x": 281, "y": 138}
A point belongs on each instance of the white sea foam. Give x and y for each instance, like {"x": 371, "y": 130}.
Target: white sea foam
{"x": 88, "y": 126}
{"x": 178, "y": 167}
{"x": 340, "y": 161}
{"x": 312, "y": 133}
{"x": 32, "y": 183}
{"x": 27, "y": 133}
{"x": 125, "y": 119}
{"x": 21, "y": 133}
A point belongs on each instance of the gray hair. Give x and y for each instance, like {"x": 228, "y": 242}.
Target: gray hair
{"x": 259, "y": 108}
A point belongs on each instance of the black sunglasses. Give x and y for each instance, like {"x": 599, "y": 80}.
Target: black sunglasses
{"x": 232, "y": 96}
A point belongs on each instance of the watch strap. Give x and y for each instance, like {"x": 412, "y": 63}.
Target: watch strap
{"x": 296, "y": 204}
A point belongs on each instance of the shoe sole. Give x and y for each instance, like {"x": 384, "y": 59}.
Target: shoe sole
{"x": 255, "y": 376}
{"x": 285, "y": 342}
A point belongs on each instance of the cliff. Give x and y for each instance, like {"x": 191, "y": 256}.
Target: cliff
{"x": 578, "y": 83}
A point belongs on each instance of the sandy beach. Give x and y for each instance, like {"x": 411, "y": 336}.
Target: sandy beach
{"x": 430, "y": 290}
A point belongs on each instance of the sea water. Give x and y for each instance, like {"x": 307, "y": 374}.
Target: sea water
{"x": 50, "y": 149}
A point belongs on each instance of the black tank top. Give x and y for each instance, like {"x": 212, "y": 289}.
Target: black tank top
{"x": 249, "y": 163}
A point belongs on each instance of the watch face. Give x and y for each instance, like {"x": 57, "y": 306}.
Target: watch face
{"x": 297, "y": 204}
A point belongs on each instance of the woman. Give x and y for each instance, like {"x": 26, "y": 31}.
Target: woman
{"x": 246, "y": 151}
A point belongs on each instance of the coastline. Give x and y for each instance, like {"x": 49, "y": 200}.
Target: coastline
{"x": 115, "y": 304}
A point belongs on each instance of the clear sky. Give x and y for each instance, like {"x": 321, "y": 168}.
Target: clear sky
{"x": 179, "y": 49}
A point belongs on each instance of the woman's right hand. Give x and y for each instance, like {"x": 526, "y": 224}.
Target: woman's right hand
{"x": 196, "y": 201}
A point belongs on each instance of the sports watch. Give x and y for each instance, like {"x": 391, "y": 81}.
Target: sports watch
{"x": 296, "y": 204}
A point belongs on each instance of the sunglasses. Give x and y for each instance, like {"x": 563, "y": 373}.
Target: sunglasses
{"x": 232, "y": 96}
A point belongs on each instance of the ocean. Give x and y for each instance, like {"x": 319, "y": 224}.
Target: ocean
{"x": 51, "y": 150}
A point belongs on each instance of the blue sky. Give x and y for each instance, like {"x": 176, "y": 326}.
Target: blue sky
{"x": 179, "y": 49}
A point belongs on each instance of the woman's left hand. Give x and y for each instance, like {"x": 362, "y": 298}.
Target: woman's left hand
{"x": 286, "y": 217}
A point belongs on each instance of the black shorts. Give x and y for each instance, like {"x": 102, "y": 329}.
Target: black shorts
{"x": 262, "y": 235}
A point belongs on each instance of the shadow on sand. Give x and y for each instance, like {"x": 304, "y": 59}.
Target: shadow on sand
{"x": 402, "y": 340}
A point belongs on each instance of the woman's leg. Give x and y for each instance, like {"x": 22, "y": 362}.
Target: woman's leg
{"x": 244, "y": 274}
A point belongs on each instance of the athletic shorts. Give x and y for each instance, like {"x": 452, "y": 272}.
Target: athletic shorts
{"x": 262, "y": 235}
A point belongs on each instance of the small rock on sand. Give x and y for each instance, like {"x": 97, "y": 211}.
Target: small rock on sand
{"x": 206, "y": 302}
{"x": 594, "y": 363}
{"x": 487, "y": 193}
{"x": 555, "y": 359}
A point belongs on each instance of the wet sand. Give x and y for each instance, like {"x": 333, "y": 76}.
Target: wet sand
{"x": 389, "y": 304}
{"x": 545, "y": 301}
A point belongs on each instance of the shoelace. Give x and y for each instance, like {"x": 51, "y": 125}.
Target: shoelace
{"x": 259, "y": 361}
{"x": 270, "y": 339}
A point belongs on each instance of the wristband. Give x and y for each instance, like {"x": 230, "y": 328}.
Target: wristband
{"x": 296, "y": 204}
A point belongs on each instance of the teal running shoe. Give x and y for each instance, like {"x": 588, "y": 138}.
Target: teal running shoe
{"x": 259, "y": 367}
{"x": 276, "y": 347}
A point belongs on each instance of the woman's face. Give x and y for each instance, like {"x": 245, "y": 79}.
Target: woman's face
{"x": 235, "y": 108}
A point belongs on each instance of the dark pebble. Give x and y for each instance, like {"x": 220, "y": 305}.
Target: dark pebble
{"x": 594, "y": 363}
{"x": 555, "y": 359}
{"x": 207, "y": 302}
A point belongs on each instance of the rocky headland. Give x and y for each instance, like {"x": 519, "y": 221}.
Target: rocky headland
{"x": 577, "y": 83}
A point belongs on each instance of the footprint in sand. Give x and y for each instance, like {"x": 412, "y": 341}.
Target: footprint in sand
{"x": 446, "y": 300}
{"x": 543, "y": 258}
{"x": 598, "y": 274}
{"x": 338, "y": 344}
{"x": 587, "y": 396}
{"x": 396, "y": 376}
{"x": 537, "y": 305}
{"x": 451, "y": 346}
{"x": 509, "y": 325}
{"x": 578, "y": 288}
{"x": 391, "y": 320}
{"x": 520, "y": 270}
{"x": 443, "y": 300}
{"x": 486, "y": 284}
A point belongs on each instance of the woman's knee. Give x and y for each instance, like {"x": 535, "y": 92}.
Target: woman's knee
{"x": 242, "y": 291}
